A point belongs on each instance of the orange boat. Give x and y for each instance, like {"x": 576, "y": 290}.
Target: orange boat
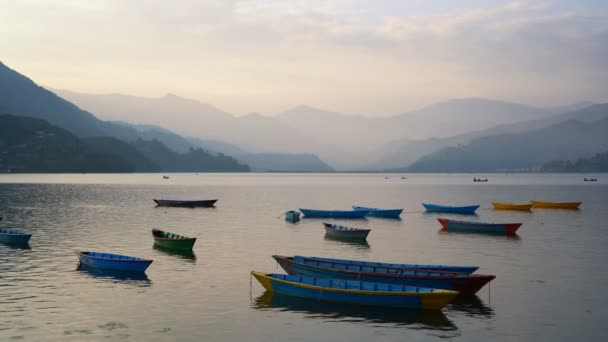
{"x": 556, "y": 205}
{"x": 512, "y": 206}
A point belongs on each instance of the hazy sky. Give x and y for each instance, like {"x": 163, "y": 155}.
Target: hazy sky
{"x": 372, "y": 57}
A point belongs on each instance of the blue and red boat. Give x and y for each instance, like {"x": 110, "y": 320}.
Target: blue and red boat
{"x": 378, "y": 212}
{"x": 463, "y": 283}
{"x": 113, "y": 261}
{"x": 342, "y": 214}
{"x": 368, "y": 265}
{"x": 482, "y": 227}
{"x": 344, "y": 232}
{"x": 436, "y": 208}
{"x": 356, "y": 292}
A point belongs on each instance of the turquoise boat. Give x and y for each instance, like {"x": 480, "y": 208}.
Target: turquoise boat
{"x": 344, "y": 232}
{"x": 113, "y": 261}
{"x": 436, "y": 208}
{"x": 362, "y": 265}
{"x": 378, "y": 212}
{"x": 12, "y": 236}
{"x": 356, "y": 292}
{"x": 343, "y": 214}
{"x": 292, "y": 216}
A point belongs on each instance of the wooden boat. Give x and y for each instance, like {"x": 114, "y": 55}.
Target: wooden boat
{"x": 363, "y": 265}
{"x": 345, "y": 214}
{"x": 14, "y": 236}
{"x": 186, "y": 204}
{"x": 436, "y": 208}
{"x": 356, "y": 292}
{"x": 113, "y": 261}
{"x": 165, "y": 177}
{"x": 512, "y": 206}
{"x": 292, "y": 216}
{"x": 556, "y": 205}
{"x": 590, "y": 179}
{"x": 464, "y": 283}
{"x": 377, "y": 212}
{"x": 480, "y": 180}
{"x": 496, "y": 228}
{"x": 344, "y": 232}
{"x": 172, "y": 241}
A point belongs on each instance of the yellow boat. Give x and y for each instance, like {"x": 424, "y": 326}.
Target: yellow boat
{"x": 512, "y": 206}
{"x": 556, "y": 205}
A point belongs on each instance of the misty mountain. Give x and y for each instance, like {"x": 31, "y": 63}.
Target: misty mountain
{"x": 263, "y": 162}
{"x": 517, "y": 152}
{"x": 597, "y": 163}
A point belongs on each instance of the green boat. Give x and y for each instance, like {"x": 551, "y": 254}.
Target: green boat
{"x": 172, "y": 241}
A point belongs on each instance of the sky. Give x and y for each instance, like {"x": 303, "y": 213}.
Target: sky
{"x": 376, "y": 57}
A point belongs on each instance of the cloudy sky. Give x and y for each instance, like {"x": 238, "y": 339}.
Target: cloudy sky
{"x": 374, "y": 57}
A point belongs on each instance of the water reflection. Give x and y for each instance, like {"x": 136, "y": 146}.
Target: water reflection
{"x": 471, "y": 306}
{"x": 359, "y": 244}
{"x": 187, "y": 254}
{"x": 331, "y": 312}
{"x": 120, "y": 276}
{"x": 481, "y": 235}
{"x": 16, "y": 245}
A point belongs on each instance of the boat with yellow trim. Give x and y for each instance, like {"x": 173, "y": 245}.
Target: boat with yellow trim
{"x": 512, "y": 206}
{"x": 356, "y": 292}
{"x": 556, "y": 205}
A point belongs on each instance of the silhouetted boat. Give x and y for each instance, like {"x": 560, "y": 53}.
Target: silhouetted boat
{"x": 344, "y": 232}
{"x": 367, "y": 265}
{"x": 590, "y": 179}
{"x": 14, "y": 236}
{"x": 172, "y": 241}
{"x": 512, "y": 206}
{"x": 186, "y": 204}
{"x": 480, "y": 180}
{"x": 556, "y": 205}
{"x": 356, "y": 292}
{"x": 292, "y": 216}
{"x": 310, "y": 267}
{"x": 436, "y": 208}
{"x": 346, "y": 214}
{"x": 496, "y": 228}
{"x": 165, "y": 177}
{"x": 113, "y": 261}
{"x": 377, "y": 212}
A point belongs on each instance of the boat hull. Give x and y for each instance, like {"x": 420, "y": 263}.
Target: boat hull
{"x": 465, "y": 210}
{"x": 362, "y": 265}
{"x": 345, "y": 214}
{"x": 185, "y": 204}
{"x": 347, "y": 235}
{"x": 172, "y": 241}
{"x": 556, "y": 205}
{"x": 314, "y": 289}
{"x": 494, "y": 228}
{"x": 139, "y": 265}
{"x": 465, "y": 284}
{"x": 292, "y": 216}
{"x": 382, "y": 213}
{"x": 14, "y": 237}
{"x": 511, "y": 206}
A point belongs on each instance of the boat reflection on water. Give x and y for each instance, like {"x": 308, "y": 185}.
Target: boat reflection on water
{"x": 471, "y": 306}
{"x": 357, "y": 244}
{"x": 14, "y": 245}
{"x": 187, "y": 254}
{"x": 480, "y": 235}
{"x": 338, "y": 312}
{"x": 139, "y": 278}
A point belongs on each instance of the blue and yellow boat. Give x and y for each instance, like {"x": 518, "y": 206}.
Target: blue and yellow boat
{"x": 356, "y": 292}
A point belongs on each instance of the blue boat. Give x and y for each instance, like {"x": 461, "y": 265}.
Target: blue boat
{"x": 463, "y": 283}
{"x": 344, "y": 232}
{"x": 377, "y": 212}
{"x": 435, "y": 208}
{"x": 343, "y": 214}
{"x": 292, "y": 216}
{"x": 113, "y": 261}
{"x": 14, "y": 236}
{"x": 356, "y": 292}
{"x": 358, "y": 263}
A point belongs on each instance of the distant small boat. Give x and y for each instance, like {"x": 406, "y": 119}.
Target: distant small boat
{"x": 372, "y": 265}
{"x": 377, "y": 212}
{"x": 512, "y": 206}
{"x": 436, "y": 208}
{"x": 480, "y": 180}
{"x": 344, "y": 232}
{"x": 1, "y": 218}
{"x": 292, "y": 216}
{"x": 14, "y": 236}
{"x": 556, "y": 205}
{"x": 356, "y": 292}
{"x": 346, "y": 214}
{"x": 403, "y": 177}
{"x": 590, "y": 179}
{"x": 186, "y": 204}
{"x": 496, "y": 228}
{"x": 172, "y": 241}
{"x": 165, "y": 177}
{"x": 113, "y": 261}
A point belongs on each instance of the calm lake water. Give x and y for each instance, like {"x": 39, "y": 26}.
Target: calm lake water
{"x": 551, "y": 279}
